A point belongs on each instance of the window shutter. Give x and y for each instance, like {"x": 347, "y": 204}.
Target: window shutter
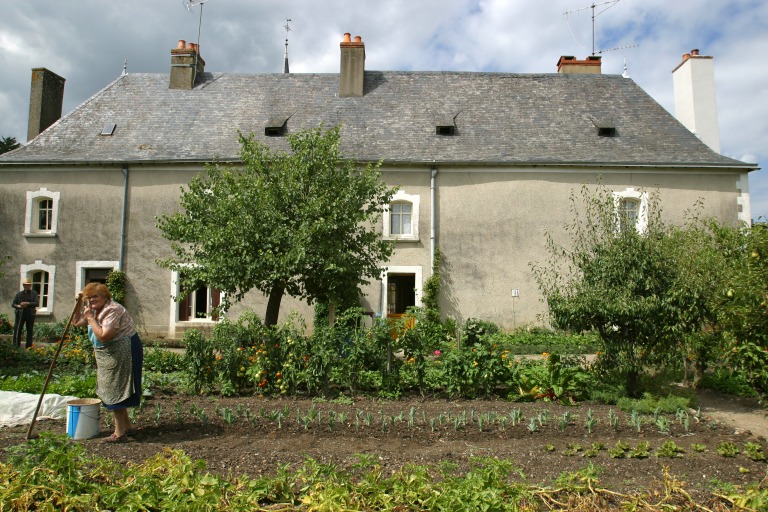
{"x": 215, "y": 301}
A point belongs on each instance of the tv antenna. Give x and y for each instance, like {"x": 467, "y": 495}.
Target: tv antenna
{"x": 610, "y": 4}
{"x": 190, "y": 5}
{"x": 287, "y": 28}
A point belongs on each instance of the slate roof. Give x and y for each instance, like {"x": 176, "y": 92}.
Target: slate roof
{"x": 500, "y": 118}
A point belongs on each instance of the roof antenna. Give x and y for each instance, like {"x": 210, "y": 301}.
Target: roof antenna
{"x": 125, "y": 68}
{"x": 285, "y": 58}
{"x": 610, "y": 4}
{"x": 190, "y": 4}
{"x": 625, "y": 74}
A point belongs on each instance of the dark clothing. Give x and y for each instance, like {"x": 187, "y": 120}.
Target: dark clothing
{"x": 25, "y": 317}
{"x": 137, "y": 360}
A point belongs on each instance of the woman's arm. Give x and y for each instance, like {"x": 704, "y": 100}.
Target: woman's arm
{"x": 78, "y": 320}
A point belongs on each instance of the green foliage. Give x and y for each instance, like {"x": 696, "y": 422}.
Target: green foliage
{"x": 199, "y": 361}
{"x": 81, "y": 385}
{"x": 305, "y": 223}
{"x": 116, "y": 284}
{"x": 5, "y": 325}
{"x": 8, "y": 144}
{"x": 431, "y": 293}
{"x": 162, "y": 360}
{"x": 743, "y": 310}
{"x": 650, "y": 404}
{"x": 475, "y": 328}
{"x": 49, "y": 332}
{"x": 52, "y": 473}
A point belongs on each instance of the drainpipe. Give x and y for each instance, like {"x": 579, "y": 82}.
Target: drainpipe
{"x": 125, "y": 215}
{"x": 433, "y": 218}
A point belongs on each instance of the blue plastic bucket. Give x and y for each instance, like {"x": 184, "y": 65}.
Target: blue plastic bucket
{"x": 83, "y": 418}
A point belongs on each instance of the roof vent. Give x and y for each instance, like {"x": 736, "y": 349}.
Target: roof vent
{"x": 276, "y": 126}
{"x": 445, "y": 125}
{"x": 605, "y": 127}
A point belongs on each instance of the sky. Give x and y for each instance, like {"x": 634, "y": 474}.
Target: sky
{"x": 89, "y": 41}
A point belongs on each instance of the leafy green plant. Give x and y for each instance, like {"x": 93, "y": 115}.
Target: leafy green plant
{"x": 728, "y": 449}
{"x": 754, "y": 451}
{"x": 641, "y": 451}
{"x": 115, "y": 282}
{"x": 670, "y": 449}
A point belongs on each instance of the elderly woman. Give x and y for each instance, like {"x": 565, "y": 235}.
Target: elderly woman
{"x": 119, "y": 354}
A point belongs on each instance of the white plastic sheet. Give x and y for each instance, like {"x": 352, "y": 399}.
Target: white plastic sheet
{"x": 18, "y": 408}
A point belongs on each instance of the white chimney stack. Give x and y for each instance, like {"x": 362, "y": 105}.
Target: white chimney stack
{"x": 695, "y": 102}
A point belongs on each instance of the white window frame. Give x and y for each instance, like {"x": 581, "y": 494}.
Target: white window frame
{"x": 32, "y": 212}
{"x": 82, "y": 266}
{"x": 174, "y": 307}
{"x": 413, "y": 200}
{"x": 417, "y": 272}
{"x": 642, "y": 212}
{"x": 26, "y": 271}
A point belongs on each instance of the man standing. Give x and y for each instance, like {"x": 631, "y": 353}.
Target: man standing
{"x": 25, "y": 303}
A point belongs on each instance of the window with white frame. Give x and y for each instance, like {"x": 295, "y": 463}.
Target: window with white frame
{"x": 42, "y": 213}
{"x": 42, "y": 277}
{"x": 631, "y": 209}
{"x": 199, "y": 304}
{"x": 93, "y": 272}
{"x": 401, "y": 217}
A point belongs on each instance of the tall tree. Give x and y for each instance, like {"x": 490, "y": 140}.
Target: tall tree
{"x": 301, "y": 222}
{"x": 614, "y": 281}
{"x": 7, "y": 144}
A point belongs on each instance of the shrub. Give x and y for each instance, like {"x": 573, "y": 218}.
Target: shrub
{"x": 474, "y": 329}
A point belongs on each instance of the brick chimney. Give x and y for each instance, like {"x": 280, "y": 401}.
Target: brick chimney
{"x": 568, "y": 64}
{"x": 695, "y": 102}
{"x": 352, "y": 67}
{"x": 186, "y": 65}
{"x": 45, "y": 100}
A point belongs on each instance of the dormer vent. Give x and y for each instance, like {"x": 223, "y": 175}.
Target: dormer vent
{"x": 605, "y": 127}
{"x": 445, "y": 125}
{"x": 276, "y": 127}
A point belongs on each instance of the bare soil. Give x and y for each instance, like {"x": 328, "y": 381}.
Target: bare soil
{"x": 253, "y": 442}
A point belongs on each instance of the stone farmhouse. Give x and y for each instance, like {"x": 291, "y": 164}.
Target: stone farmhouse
{"x": 485, "y": 164}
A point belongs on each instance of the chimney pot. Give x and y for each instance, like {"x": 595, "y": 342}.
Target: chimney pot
{"x": 352, "y": 72}
{"x": 686, "y": 56}
{"x": 190, "y": 46}
{"x": 181, "y": 45}
{"x": 695, "y": 51}
{"x": 591, "y": 65}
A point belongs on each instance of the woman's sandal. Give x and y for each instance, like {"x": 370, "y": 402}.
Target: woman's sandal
{"x": 114, "y": 438}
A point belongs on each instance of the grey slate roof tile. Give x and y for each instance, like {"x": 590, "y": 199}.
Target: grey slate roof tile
{"x": 500, "y": 118}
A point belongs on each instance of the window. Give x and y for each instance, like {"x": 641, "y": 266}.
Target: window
{"x": 631, "y": 209}
{"x": 401, "y": 218}
{"x": 198, "y": 305}
{"x": 42, "y": 277}
{"x": 628, "y": 213}
{"x": 93, "y": 272}
{"x": 42, "y": 213}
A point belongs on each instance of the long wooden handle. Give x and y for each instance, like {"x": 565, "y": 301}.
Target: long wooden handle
{"x": 50, "y": 370}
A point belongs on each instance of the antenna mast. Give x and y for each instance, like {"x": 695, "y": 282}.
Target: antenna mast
{"x": 287, "y": 28}
{"x": 610, "y": 4}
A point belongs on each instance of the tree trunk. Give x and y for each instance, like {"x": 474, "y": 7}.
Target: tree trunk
{"x": 273, "y": 306}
